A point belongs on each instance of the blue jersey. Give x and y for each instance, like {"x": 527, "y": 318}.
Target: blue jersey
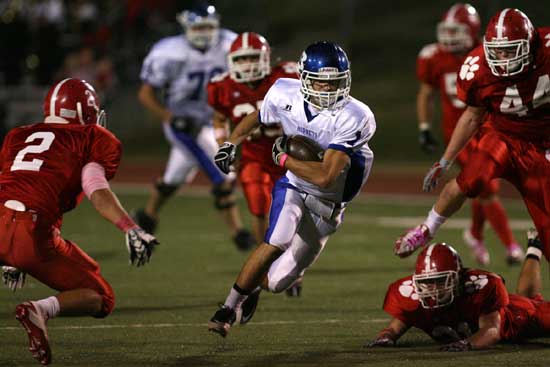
{"x": 183, "y": 73}
{"x": 348, "y": 130}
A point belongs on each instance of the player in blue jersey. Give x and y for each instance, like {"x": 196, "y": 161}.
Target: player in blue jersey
{"x": 180, "y": 67}
{"x": 309, "y": 201}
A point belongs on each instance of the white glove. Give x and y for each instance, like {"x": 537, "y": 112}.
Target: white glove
{"x": 140, "y": 246}
{"x": 13, "y": 278}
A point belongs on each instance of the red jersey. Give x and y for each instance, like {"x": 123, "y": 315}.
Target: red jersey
{"x": 518, "y": 105}
{"x": 438, "y": 68}
{"x": 483, "y": 293}
{"x": 236, "y": 100}
{"x": 41, "y": 165}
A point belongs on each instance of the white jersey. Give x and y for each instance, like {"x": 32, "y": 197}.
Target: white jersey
{"x": 183, "y": 72}
{"x": 348, "y": 129}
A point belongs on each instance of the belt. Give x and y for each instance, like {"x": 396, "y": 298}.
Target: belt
{"x": 322, "y": 207}
{"x": 18, "y": 210}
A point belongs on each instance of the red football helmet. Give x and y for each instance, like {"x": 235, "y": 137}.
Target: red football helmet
{"x": 459, "y": 28}
{"x": 508, "y": 42}
{"x": 249, "y": 58}
{"x": 73, "y": 101}
{"x": 437, "y": 275}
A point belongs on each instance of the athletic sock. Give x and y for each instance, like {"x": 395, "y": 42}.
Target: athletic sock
{"x": 49, "y": 307}
{"x": 434, "y": 221}
{"x": 478, "y": 220}
{"x": 495, "y": 213}
{"x": 236, "y": 297}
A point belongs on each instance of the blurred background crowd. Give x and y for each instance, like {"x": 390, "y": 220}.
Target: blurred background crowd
{"x": 105, "y": 41}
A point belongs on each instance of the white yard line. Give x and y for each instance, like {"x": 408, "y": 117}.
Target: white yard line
{"x": 409, "y": 222}
{"x": 174, "y": 325}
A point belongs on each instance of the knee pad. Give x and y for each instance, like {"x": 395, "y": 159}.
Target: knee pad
{"x": 165, "y": 190}
{"x": 222, "y": 195}
{"x": 281, "y": 285}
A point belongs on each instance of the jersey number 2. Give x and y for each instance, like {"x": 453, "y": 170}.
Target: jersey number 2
{"x": 19, "y": 163}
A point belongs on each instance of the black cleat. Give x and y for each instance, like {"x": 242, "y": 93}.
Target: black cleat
{"x": 248, "y": 308}
{"x": 145, "y": 221}
{"x": 295, "y": 290}
{"x": 222, "y": 320}
{"x": 244, "y": 240}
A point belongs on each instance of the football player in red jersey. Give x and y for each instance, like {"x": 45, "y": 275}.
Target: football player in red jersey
{"x": 466, "y": 308}
{"x": 238, "y": 93}
{"x": 47, "y": 168}
{"x": 437, "y": 66}
{"x": 506, "y": 86}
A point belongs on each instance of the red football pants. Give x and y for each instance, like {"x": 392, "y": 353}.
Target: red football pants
{"x": 41, "y": 252}
{"x": 522, "y": 163}
{"x": 257, "y": 185}
{"x": 466, "y": 155}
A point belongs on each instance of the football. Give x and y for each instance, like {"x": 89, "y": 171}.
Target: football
{"x": 304, "y": 149}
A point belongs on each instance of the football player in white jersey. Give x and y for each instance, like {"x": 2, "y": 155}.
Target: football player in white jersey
{"x": 308, "y": 202}
{"x": 180, "y": 67}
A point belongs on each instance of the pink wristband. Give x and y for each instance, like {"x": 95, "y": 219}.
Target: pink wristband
{"x": 283, "y": 159}
{"x": 125, "y": 224}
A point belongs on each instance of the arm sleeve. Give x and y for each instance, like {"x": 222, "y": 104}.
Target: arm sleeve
{"x": 351, "y": 137}
{"x": 105, "y": 150}
{"x": 426, "y": 72}
{"x": 156, "y": 70}
{"x": 494, "y": 296}
{"x": 466, "y": 94}
{"x": 214, "y": 97}
{"x": 268, "y": 112}
{"x": 393, "y": 305}
{"x": 93, "y": 178}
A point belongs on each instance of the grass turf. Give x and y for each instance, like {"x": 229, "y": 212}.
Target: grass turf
{"x": 162, "y": 309}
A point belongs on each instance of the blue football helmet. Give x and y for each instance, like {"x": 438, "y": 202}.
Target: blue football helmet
{"x": 326, "y": 64}
{"x": 201, "y": 25}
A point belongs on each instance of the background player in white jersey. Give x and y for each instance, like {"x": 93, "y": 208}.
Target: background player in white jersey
{"x": 180, "y": 67}
{"x": 308, "y": 202}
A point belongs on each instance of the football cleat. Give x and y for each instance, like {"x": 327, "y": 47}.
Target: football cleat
{"x": 35, "y": 325}
{"x": 222, "y": 320}
{"x": 244, "y": 240}
{"x": 145, "y": 221}
{"x": 295, "y": 290}
{"x": 514, "y": 254}
{"x": 413, "y": 239}
{"x": 248, "y": 308}
{"x": 478, "y": 248}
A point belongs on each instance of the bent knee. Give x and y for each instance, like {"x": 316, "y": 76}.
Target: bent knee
{"x": 472, "y": 187}
{"x": 107, "y": 303}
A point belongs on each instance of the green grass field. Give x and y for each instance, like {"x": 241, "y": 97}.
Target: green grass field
{"x": 162, "y": 309}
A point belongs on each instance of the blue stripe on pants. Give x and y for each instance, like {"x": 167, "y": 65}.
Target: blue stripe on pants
{"x": 205, "y": 162}
{"x": 277, "y": 202}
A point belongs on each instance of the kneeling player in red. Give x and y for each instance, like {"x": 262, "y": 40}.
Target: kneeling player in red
{"x": 46, "y": 170}
{"x": 466, "y": 308}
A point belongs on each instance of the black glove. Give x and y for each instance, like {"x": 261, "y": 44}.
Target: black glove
{"x": 13, "y": 278}
{"x": 427, "y": 142}
{"x": 458, "y": 346}
{"x": 279, "y": 148}
{"x": 140, "y": 245}
{"x": 225, "y": 156}
{"x": 381, "y": 341}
